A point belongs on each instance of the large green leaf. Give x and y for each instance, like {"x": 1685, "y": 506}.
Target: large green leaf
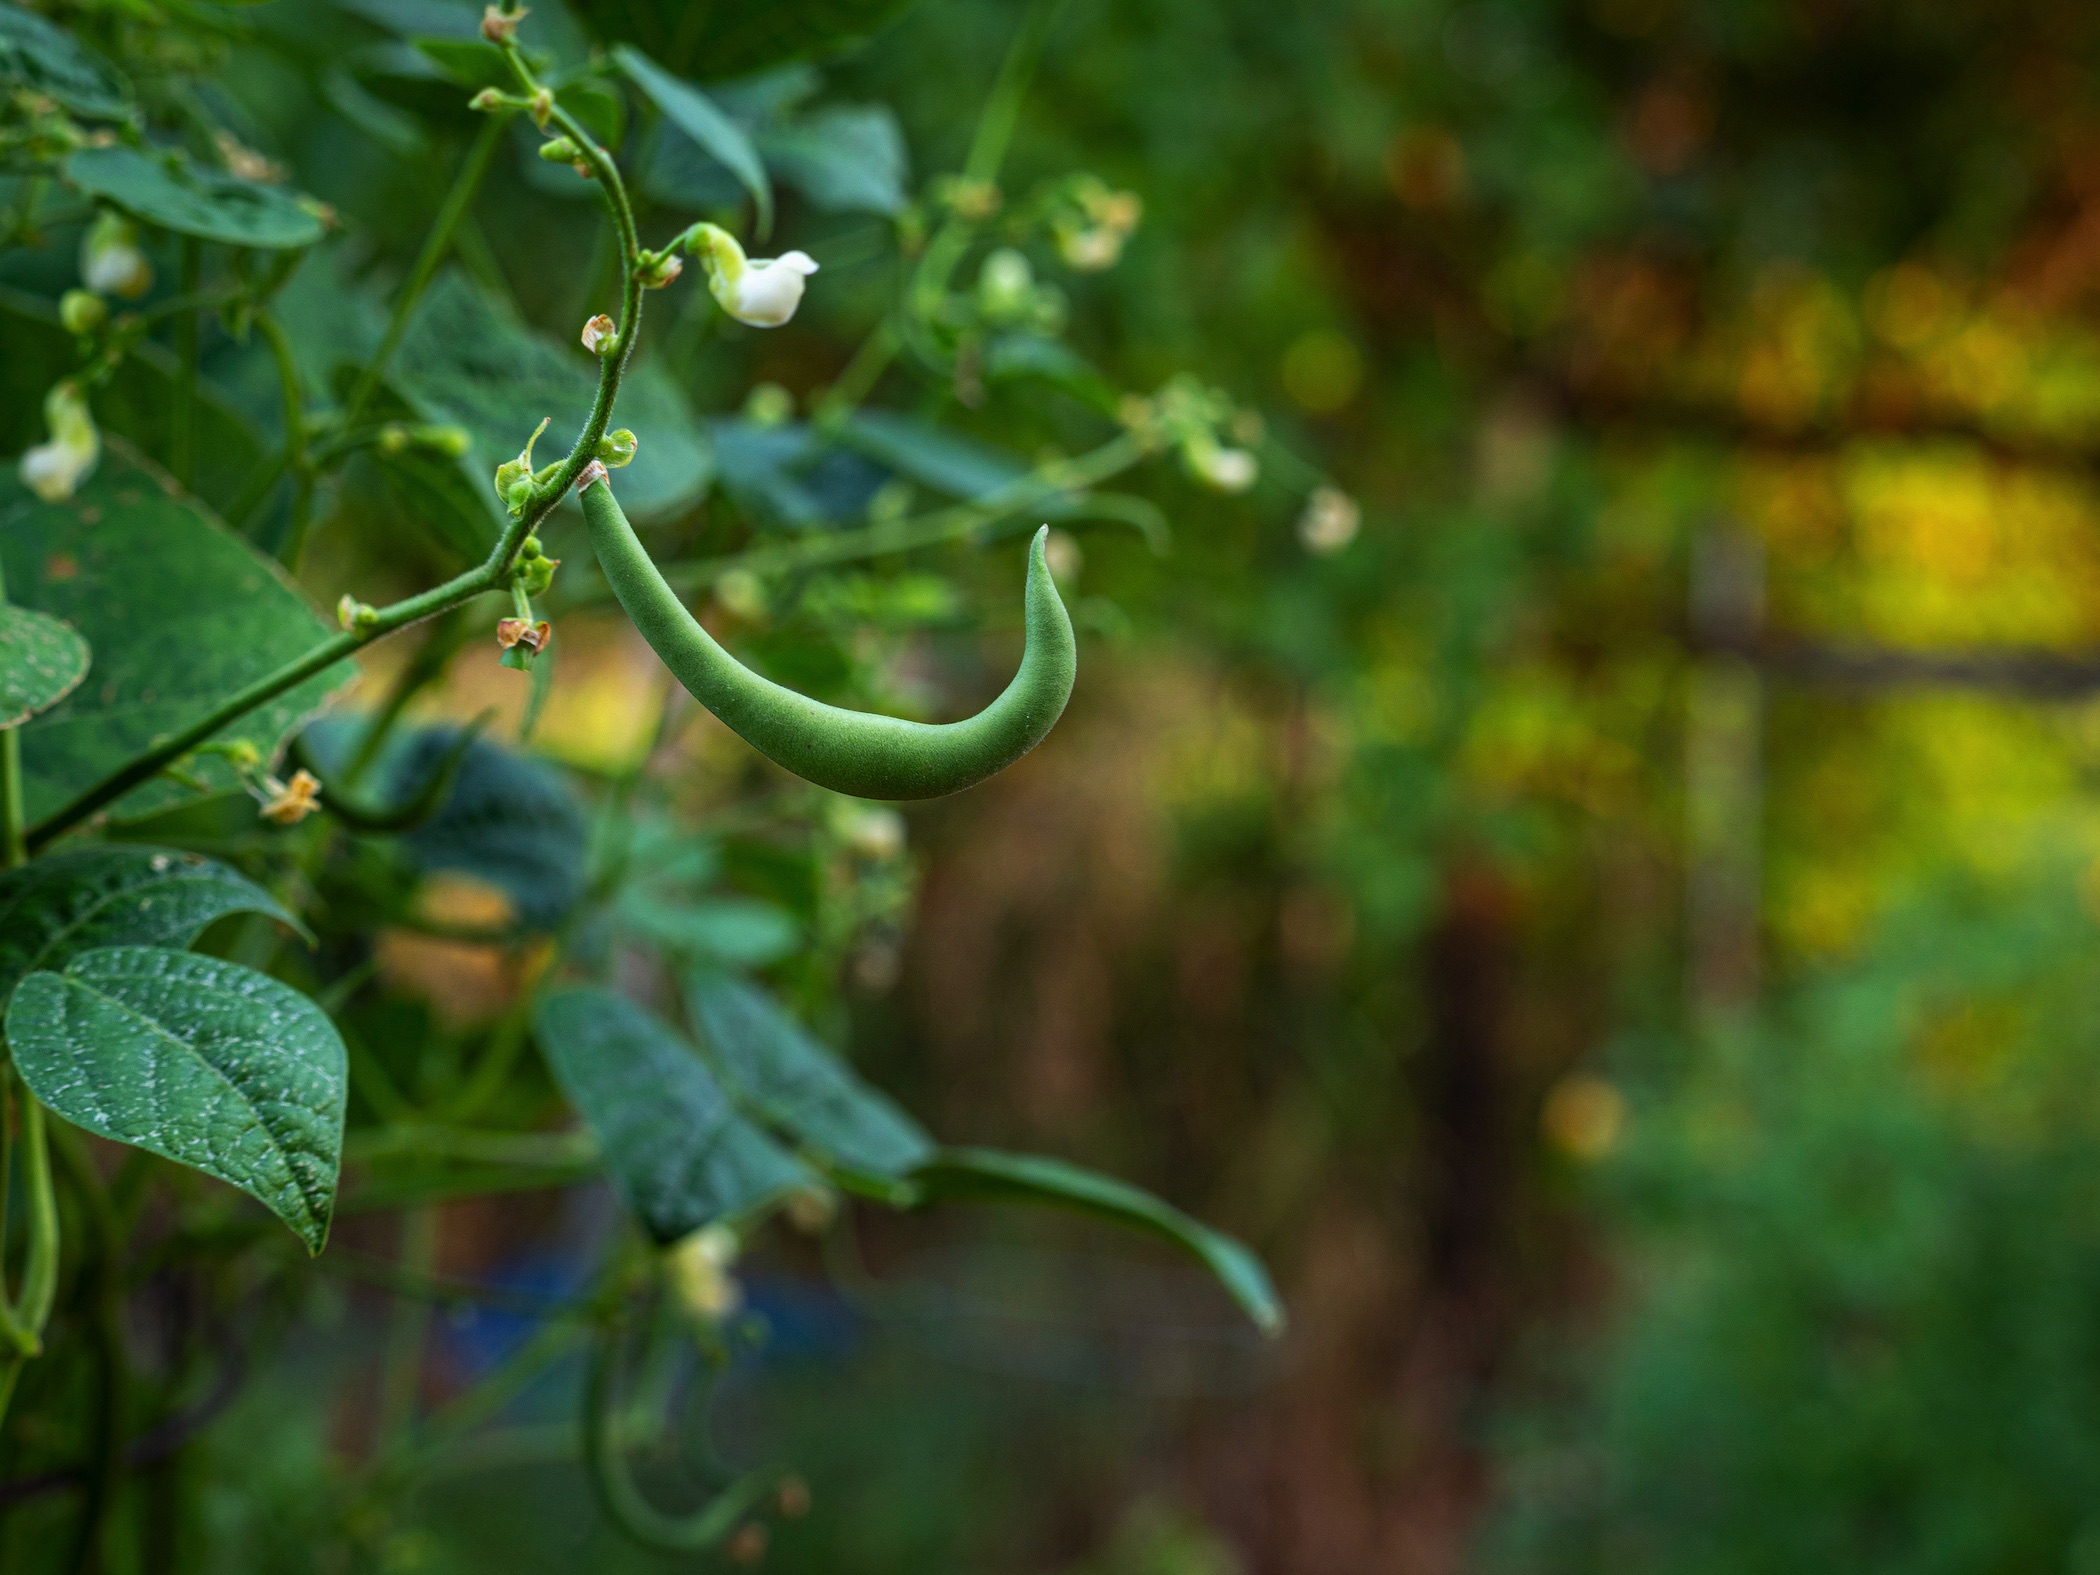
{"x": 36, "y": 57}
{"x": 713, "y": 39}
{"x": 42, "y": 660}
{"x": 679, "y": 1151}
{"x": 468, "y": 363}
{"x": 55, "y": 907}
{"x": 180, "y": 613}
{"x": 987, "y": 1175}
{"x": 189, "y": 199}
{"x": 205, "y": 1062}
{"x": 800, "y": 1087}
{"x": 699, "y": 118}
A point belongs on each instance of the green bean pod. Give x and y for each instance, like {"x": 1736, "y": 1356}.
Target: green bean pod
{"x": 852, "y": 752}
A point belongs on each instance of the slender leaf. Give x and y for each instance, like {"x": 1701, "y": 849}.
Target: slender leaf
{"x": 37, "y": 57}
{"x": 179, "y": 195}
{"x": 959, "y": 466}
{"x": 204, "y": 1062}
{"x": 55, "y": 907}
{"x": 679, "y": 1151}
{"x": 694, "y": 114}
{"x": 799, "y": 1086}
{"x": 847, "y": 158}
{"x": 42, "y": 660}
{"x": 180, "y": 613}
{"x": 740, "y": 931}
{"x": 988, "y": 1175}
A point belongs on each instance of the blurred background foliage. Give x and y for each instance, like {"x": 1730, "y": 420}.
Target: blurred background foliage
{"x": 1613, "y": 926}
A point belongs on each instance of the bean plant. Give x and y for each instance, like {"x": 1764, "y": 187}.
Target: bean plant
{"x": 209, "y": 848}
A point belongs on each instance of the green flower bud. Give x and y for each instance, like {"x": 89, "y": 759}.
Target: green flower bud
{"x": 82, "y": 311}
{"x": 514, "y": 477}
{"x": 561, "y": 151}
{"x": 617, "y": 448}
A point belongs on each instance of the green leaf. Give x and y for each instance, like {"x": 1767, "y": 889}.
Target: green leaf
{"x": 990, "y": 1176}
{"x": 728, "y": 38}
{"x": 65, "y": 903}
{"x": 204, "y": 1062}
{"x": 465, "y": 362}
{"x": 960, "y": 466}
{"x": 36, "y": 57}
{"x": 680, "y": 1153}
{"x": 42, "y": 660}
{"x": 180, "y": 613}
{"x": 740, "y": 931}
{"x": 509, "y": 820}
{"x": 182, "y": 196}
{"x": 848, "y": 158}
{"x": 693, "y": 113}
{"x": 799, "y": 1087}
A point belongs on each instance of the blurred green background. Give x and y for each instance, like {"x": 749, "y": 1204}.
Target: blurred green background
{"x": 1616, "y": 931}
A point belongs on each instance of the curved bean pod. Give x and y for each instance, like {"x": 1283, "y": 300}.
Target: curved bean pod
{"x": 852, "y": 752}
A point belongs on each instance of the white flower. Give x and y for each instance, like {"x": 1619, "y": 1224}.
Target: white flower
{"x": 1330, "y": 521}
{"x": 1219, "y": 467}
{"x": 55, "y": 469}
{"x": 761, "y": 291}
{"x": 110, "y": 260}
{"x": 698, "y": 1271}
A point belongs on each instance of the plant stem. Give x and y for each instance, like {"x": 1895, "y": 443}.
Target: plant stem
{"x": 435, "y": 245}
{"x": 294, "y": 543}
{"x": 952, "y": 524}
{"x": 182, "y": 409}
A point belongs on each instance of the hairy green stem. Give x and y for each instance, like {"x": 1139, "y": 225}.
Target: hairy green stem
{"x": 435, "y": 245}
{"x": 491, "y": 574}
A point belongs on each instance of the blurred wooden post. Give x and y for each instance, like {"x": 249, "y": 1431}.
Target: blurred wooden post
{"x": 1724, "y": 777}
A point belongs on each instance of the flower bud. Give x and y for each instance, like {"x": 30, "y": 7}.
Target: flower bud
{"x": 761, "y": 291}
{"x": 1220, "y": 468}
{"x": 514, "y": 478}
{"x": 598, "y": 333}
{"x": 561, "y": 151}
{"x": 522, "y": 640}
{"x": 534, "y": 574}
{"x": 1005, "y": 285}
{"x": 769, "y": 405}
{"x": 617, "y": 448}
{"x": 82, "y": 311}
{"x": 488, "y": 100}
{"x": 540, "y": 106}
{"x": 500, "y": 27}
{"x": 697, "y": 1270}
{"x": 658, "y": 269}
{"x": 54, "y": 470}
{"x": 1330, "y": 521}
{"x": 291, "y": 802}
{"x": 354, "y": 616}
{"x": 110, "y": 260}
